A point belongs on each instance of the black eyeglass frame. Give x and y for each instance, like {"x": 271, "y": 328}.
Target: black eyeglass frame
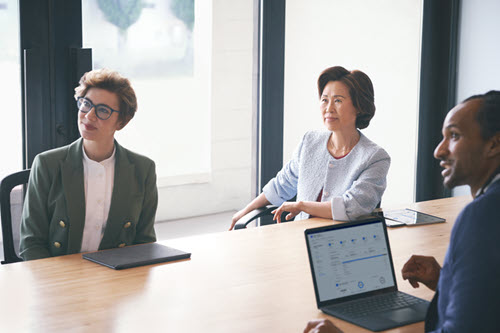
{"x": 94, "y": 106}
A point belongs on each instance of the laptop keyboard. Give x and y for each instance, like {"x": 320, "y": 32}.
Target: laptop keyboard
{"x": 380, "y": 303}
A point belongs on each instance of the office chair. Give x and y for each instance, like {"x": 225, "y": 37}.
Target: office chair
{"x": 253, "y": 215}
{"x": 11, "y": 213}
{"x": 261, "y": 212}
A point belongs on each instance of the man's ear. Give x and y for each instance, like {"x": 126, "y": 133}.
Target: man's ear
{"x": 494, "y": 146}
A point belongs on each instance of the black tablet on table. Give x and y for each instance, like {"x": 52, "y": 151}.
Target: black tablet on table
{"x": 408, "y": 217}
{"x": 137, "y": 255}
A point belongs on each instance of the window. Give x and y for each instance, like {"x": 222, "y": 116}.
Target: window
{"x": 478, "y": 62}
{"x": 190, "y": 63}
{"x": 10, "y": 85}
{"x": 383, "y": 42}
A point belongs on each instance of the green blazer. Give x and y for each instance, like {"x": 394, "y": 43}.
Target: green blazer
{"x": 54, "y": 209}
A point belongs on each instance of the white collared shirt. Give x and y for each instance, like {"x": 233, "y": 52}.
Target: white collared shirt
{"x": 485, "y": 188}
{"x": 98, "y": 180}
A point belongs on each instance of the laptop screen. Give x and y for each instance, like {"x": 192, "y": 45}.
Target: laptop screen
{"x": 350, "y": 259}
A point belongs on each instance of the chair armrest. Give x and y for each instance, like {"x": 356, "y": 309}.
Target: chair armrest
{"x": 254, "y": 214}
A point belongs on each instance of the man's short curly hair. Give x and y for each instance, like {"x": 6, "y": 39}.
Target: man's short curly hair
{"x": 360, "y": 88}
{"x": 488, "y": 114}
{"x": 113, "y": 82}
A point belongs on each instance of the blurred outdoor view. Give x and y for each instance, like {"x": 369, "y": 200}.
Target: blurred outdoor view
{"x": 152, "y": 43}
{"x": 191, "y": 65}
{"x": 10, "y": 87}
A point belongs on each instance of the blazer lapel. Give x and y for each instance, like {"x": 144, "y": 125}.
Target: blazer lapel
{"x": 122, "y": 191}
{"x": 74, "y": 192}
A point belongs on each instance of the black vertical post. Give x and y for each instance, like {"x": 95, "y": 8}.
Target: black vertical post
{"x": 49, "y": 30}
{"x": 81, "y": 62}
{"x": 35, "y": 73}
{"x": 272, "y": 66}
{"x": 67, "y": 36}
{"x": 437, "y": 91}
{"x": 272, "y": 88}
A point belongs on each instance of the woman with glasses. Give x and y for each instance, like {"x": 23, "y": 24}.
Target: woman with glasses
{"x": 337, "y": 173}
{"x": 92, "y": 194}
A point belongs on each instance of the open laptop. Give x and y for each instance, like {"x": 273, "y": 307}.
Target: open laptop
{"x": 353, "y": 276}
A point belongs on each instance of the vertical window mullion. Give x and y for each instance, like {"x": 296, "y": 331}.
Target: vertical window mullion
{"x": 49, "y": 30}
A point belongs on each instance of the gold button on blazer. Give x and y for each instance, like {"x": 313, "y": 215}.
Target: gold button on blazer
{"x": 54, "y": 208}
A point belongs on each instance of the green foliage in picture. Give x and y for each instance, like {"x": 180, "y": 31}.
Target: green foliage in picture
{"x": 184, "y": 10}
{"x": 121, "y": 13}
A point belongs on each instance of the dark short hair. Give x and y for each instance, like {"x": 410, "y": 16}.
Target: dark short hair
{"x": 488, "y": 114}
{"x": 113, "y": 82}
{"x": 360, "y": 88}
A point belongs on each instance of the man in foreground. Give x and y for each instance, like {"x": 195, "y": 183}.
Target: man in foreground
{"x": 467, "y": 295}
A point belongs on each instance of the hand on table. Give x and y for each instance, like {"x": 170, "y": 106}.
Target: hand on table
{"x": 321, "y": 326}
{"x": 422, "y": 269}
{"x": 291, "y": 207}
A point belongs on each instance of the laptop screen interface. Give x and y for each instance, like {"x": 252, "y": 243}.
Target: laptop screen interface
{"x": 350, "y": 261}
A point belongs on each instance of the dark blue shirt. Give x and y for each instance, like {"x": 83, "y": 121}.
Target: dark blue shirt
{"x": 468, "y": 297}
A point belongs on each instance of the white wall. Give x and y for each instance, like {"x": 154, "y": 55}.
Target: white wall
{"x": 230, "y": 178}
{"x": 197, "y": 127}
{"x": 10, "y": 89}
{"x": 381, "y": 38}
{"x": 479, "y": 53}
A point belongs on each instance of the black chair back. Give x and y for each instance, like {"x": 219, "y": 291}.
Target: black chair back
{"x": 10, "y": 212}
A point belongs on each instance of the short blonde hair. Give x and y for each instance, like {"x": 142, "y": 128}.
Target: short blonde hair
{"x": 113, "y": 82}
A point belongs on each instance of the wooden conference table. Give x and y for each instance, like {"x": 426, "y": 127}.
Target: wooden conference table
{"x": 255, "y": 280}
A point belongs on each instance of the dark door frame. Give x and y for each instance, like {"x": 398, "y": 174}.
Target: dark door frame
{"x": 52, "y": 61}
{"x": 438, "y": 82}
{"x": 272, "y": 72}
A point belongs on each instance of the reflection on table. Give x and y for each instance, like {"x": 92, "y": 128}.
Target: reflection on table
{"x": 253, "y": 280}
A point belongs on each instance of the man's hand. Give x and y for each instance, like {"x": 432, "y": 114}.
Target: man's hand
{"x": 291, "y": 207}
{"x": 321, "y": 326}
{"x": 422, "y": 269}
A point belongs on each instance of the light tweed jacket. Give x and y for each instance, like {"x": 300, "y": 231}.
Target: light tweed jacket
{"x": 354, "y": 184}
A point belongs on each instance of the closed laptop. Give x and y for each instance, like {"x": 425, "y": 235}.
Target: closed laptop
{"x": 137, "y": 255}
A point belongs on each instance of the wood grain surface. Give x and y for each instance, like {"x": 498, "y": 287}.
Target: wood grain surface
{"x": 254, "y": 280}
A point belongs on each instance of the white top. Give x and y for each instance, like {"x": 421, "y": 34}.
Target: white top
{"x": 98, "y": 178}
{"x": 353, "y": 184}
{"x": 485, "y": 188}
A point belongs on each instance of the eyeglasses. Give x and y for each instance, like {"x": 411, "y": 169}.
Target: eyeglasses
{"x": 102, "y": 111}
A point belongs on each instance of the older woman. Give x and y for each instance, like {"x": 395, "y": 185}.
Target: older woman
{"x": 92, "y": 194}
{"x": 339, "y": 173}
